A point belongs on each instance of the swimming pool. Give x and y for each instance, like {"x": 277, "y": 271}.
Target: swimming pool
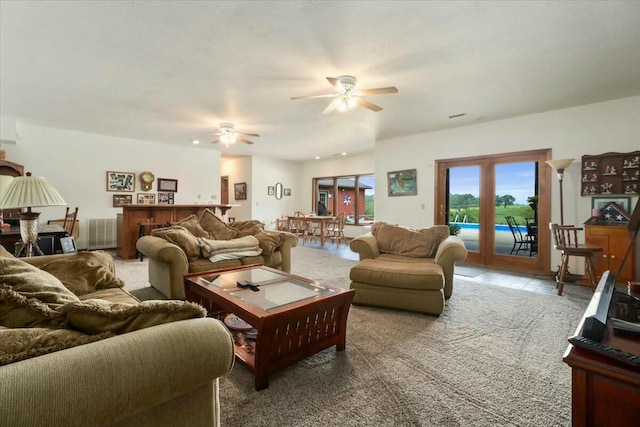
{"x": 476, "y": 226}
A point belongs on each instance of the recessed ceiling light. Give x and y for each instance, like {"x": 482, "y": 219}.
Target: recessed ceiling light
{"x": 317, "y": 157}
{"x": 195, "y": 141}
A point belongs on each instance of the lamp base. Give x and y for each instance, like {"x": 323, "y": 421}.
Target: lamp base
{"x": 29, "y": 233}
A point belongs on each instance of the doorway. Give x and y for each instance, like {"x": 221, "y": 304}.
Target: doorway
{"x": 224, "y": 190}
{"x": 501, "y": 207}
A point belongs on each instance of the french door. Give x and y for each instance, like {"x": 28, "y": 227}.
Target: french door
{"x": 501, "y": 206}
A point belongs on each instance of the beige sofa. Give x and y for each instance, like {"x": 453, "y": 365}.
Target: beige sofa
{"x": 162, "y": 375}
{"x": 177, "y": 250}
{"x": 405, "y": 269}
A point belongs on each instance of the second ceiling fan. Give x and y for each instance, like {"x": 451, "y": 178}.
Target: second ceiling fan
{"x": 228, "y": 135}
{"x": 347, "y": 97}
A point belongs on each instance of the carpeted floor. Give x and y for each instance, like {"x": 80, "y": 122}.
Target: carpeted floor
{"x": 493, "y": 358}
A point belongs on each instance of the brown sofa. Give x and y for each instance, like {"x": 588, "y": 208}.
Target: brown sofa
{"x": 188, "y": 245}
{"x": 405, "y": 269}
{"x": 142, "y": 370}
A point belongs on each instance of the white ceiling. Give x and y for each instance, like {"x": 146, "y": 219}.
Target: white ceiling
{"x": 170, "y": 71}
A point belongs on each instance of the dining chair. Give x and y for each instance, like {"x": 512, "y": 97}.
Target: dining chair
{"x": 335, "y": 230}
{"x": 300, "y": 227}
{"x": 566, "y": 241}
{"x": 70, "y": 220}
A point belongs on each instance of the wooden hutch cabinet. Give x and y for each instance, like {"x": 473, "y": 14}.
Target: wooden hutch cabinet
{"x": 614, "y": 240}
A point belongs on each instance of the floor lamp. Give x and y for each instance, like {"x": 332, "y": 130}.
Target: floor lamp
{"x": 559, "y": 166}
{"x": 28, "y": 192}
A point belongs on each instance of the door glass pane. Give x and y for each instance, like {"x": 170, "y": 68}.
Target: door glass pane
{"x": 324, "y": 196}
{"x": 367, "y": 192}
{"x": 463, "y": 203}
{"x": 516, "y": 228}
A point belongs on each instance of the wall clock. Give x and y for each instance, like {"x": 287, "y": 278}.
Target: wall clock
{"x": 146, "y": 178}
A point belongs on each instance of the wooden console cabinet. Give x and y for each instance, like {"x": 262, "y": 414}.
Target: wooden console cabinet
{"x": 132, "y": 216}
{"x": 614, "y": 240}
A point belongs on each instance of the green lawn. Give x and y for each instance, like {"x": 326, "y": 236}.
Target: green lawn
{"x": 519, "y": 212}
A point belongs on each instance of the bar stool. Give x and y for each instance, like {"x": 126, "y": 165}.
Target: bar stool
{"x": 566, "y": 241}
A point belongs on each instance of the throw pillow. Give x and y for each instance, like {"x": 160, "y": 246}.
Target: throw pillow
{"x": 217, "y": 229}
{"x": 249, "y": 227}
{"x": 269, "y": 242}
{"x": 17, "y": 311}
{"x": 31, "y": 282}
{"x": 84, "y": 272}
{"x": 192, "y": 224}
{"x": 94, "y": 316}
{"x": 182, "y": 237}
{"x": 5, "y": 253}
{"x": 422, "y": 243}
{"x": 22, "y": 343}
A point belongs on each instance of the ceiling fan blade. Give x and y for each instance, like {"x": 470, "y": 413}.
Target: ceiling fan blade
{"x": 215, "y": 141}
{"x": 330, "y": 108}
{"x": 324, "y": 95}
{"x": 246, "y": 141}
{"x": 246, "y": 134}
{"x": 335, "y": 83}
{"x": 377, "y": 91}
{"x": 370, "y": 105}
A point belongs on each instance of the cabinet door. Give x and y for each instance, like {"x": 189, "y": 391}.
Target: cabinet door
{"x": 600, "y": 259}
{"x": 618, "y": 246}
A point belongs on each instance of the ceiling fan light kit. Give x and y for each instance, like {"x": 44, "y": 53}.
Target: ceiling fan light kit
{"x": 346, "y": 97}
{"x": 228, "y": 135}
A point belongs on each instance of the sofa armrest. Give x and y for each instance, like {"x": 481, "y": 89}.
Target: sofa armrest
{"x": 167, "y": 265}
{"x": 366, "y": 246}
{"x": 288, "y": 241}
{"x": 449, "y": 251}
{"x": 111, "y": 380}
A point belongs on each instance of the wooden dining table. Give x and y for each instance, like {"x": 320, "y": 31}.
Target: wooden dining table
{"x": 322, "y": 221}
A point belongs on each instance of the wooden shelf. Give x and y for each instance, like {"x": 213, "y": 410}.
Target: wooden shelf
{"x": 611, "y": 174}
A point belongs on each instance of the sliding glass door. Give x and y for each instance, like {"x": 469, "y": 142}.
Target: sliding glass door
{"x": 497, "y": 205}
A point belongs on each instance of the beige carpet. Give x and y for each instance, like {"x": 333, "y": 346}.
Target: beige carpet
{"x": 493, "y": 358}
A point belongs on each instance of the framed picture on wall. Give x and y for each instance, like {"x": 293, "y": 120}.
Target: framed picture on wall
{"x": 168, "y": 185}
{"x": 121, "y": 181}
{"x": 287, "y": 191}
{"x": 271, "y": 190}
{"x": 240, "y": 190}
{"x": 146, "y": 199}
{"x": 402, "y": 183}
{"x": 122, "y": 199}
{"x": 165, "y": 198}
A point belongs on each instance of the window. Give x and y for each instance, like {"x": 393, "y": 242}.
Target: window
{"x": 353, "y": 195}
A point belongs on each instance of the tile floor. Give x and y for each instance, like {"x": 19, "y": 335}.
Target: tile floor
{"x": 526, "y": 282}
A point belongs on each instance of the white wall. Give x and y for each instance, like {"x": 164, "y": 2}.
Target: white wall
{"x": 75, "y": 163}
{"x": 267, "y": 172}
{"x": 238, "y": 170}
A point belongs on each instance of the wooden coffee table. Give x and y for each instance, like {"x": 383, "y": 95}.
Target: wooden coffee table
{"x": 294, "y": 317}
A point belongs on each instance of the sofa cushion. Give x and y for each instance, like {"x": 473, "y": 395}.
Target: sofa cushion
{"x": 181, "y": 236}
{"x": 22, "y": 343}
{"x": 216, "y": 228}
{"x": 422, "y": 243}
{"x": 192, "y": 223}
{"x": 84, "y": 272}
{"x": 419, "y": 274}
{"x": 18, "y": 311}
{"x": 95, "y": 316}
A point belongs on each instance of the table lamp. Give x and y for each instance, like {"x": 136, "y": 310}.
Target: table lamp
{"x": 559, "y": 166}
{"x": 27, "y": 192}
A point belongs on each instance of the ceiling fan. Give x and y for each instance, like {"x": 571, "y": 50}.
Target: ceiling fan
{"x": 228, "y": 135}
{"x": 347, "y": 97}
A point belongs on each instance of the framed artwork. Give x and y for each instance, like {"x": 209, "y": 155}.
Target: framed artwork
{"x": 402, "y": 183}
{"x": 121, "y": 181}
{"x": 146, "y": 199}
{"x": 599, "y": 202}
{"x": 168, "y": 185}
{"x": 287, "y": 191}
{"x": 271, "y": 190}
{"x": 240, "y": 190}
{"x": 165, "y": 198}
{"x": 122, "y": 199}
{"x": 68, "y": 245}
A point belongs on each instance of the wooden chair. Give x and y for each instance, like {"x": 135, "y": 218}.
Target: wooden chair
{"x": 70, "y": 220}
{"x": 566, "y": 241}
{"x": 521, "y": 242}
{"x": 300, "y": 227}
{"x": 335, "y": 230}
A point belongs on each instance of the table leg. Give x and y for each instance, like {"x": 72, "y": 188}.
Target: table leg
{"x": 322, "y": 236}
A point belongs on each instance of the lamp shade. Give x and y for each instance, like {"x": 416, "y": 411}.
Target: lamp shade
{"x": 30, "y": 191}
{"x": 559, "y": 164}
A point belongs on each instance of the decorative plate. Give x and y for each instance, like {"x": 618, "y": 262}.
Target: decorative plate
{"x": 234, "y": 322}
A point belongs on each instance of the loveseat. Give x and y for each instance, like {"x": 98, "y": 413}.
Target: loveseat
{"x": 405, "y": 269}
{"x": 207, "y": 243}
{"x": 97, "y": 356}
